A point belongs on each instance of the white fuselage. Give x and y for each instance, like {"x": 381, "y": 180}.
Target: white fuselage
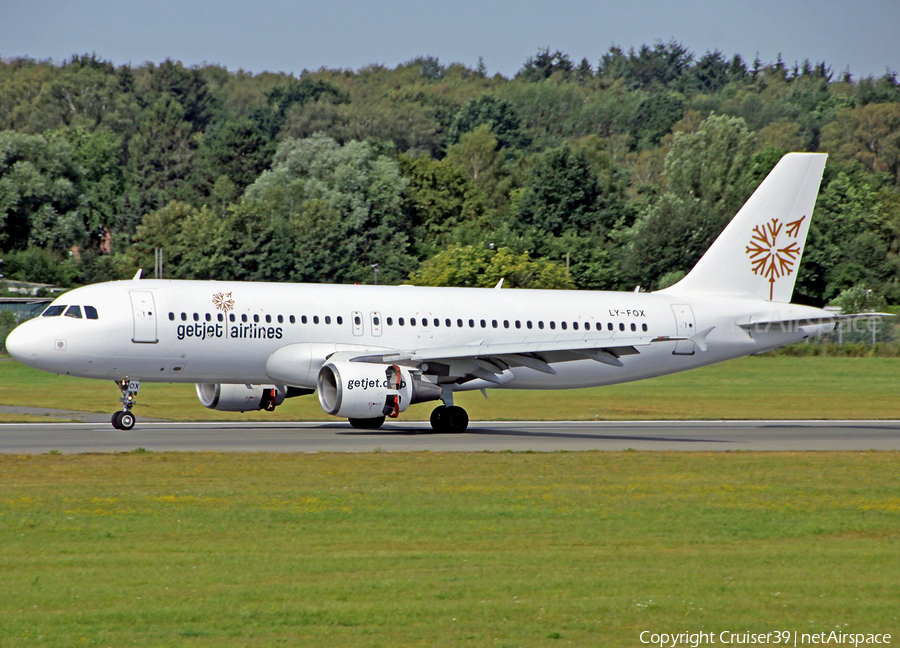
{"x": 224, "y": 332}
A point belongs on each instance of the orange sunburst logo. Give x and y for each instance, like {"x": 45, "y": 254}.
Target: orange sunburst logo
{"x": 773, "y": 257}
{"x": 223, "y": 301}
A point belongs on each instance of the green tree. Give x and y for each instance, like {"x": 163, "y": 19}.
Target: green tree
{"x": 160, "y": 159}
{"x": 327, "y": 211}
{"x": 471, "y": 266}
{"x": 40, "y": 185}
{"x": 496, "y": 114}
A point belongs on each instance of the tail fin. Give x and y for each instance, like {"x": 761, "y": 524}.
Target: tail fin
{"x": 758, "y": 253}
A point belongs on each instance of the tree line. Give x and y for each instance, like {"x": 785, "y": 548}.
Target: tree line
{"x": 568, "y": 175}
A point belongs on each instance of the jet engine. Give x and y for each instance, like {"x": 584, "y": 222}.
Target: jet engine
{"x": 240, "y": 398}
{"x": 360, "y": 390}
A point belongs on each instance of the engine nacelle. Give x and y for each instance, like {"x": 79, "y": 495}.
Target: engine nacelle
{"x": 240, "y": 398}
{"x": 362, "y": 390}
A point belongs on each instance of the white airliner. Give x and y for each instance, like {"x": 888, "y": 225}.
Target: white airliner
{"x": 372, "y": 351}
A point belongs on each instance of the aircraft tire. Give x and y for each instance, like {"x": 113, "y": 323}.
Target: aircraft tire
{"x": 367, "y": 423}
{"x": 456, "y": 419}
{"x": 438, "y": 418}
{"x": 126, "y": 420}
{"x": 116, "y": 420}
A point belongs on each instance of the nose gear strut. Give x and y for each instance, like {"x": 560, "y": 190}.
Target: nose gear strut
{"x": 124, "y": 419}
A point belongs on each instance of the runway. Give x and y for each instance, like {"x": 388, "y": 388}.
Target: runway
{"x": 35, "y": 438}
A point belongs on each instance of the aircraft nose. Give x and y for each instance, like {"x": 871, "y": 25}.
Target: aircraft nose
{"x": 22, "y": 344}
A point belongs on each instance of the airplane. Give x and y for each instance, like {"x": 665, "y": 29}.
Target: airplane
{"x": 372, "y": 351}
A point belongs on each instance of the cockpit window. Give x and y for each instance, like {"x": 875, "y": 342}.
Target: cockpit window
{"x": 54, "y": 311}
{"x": 74, "y": 311}
{"x": 90, "y": 312}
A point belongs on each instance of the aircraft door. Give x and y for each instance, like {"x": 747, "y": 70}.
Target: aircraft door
{"x": 684, "y": 327}
{"x": 144, "y": 311}
{"x": 376, "y": 324}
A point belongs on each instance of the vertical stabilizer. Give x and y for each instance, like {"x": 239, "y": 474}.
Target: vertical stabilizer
{"x": 759, "y": 252}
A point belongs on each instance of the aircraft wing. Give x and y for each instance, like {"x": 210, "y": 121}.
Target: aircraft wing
{"x": 487, "y": 361}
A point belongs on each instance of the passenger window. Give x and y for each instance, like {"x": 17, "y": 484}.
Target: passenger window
{"x": 292, "y": 319}
{"x": 412, "y": 321}
{"x": 437, "y": 322}
{"x": 552, "y": 325}
{"x": 376, "y": 321}
{"x": 471, "y": 323}
{"x": 220, "y": 317}
{"x": 357, "y": 320}
{"x": 459, "y": 323}
{"x": 494, "y": 323}
{"x": 400, "y": 321}
{"x": 564, "y": 325}
{"x": 184, "y": 317}
{"x": 304, "y": 319}
{"x": 540, "y": 324}
{"x": 231, "y": 317}
{"x": 528, "y": 324}
{"x": 196, "y": 317}
{"x": 447, "y": 322}
{"x": 609, "y": 326}
{"x": 390, "y": 321}
{"x": 575, "y": 325}
{"x": 54, "y": 311}
{"x": 339, "y": 319}
{"x": 315, "y": 319}
{"x": 633, "y": 326}
{"x": 505, "y": 323}
{"x": 74, "y": 311}
{"x": 280, "y": 319}
{"x": 171, "y": 317}
{"x": 244, "y": 317}
{"x": 256, "y": 319}
{"x": 91, "y": 313}
{"x": 208, "y": 317}
{"x": 621, "y": 326}
{"x": 644, "y": 328}
{"x": 328, "y": 319}
{"x": 518, "y": 324}
{"x": 483, "y": 324}
{"x": 268, "y": 319}
{"x": 599, "y": 326}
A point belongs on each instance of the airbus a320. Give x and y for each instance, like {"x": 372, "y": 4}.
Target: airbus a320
{"x": 372, "y": 351}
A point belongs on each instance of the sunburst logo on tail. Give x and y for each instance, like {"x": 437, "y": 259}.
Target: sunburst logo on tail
{"x": 773, "y": 250}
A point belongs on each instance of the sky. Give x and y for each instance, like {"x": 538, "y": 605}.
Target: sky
{"x": 286, "y": 36}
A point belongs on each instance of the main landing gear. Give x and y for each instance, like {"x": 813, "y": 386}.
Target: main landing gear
{"x": 124, "y": 419}
{"x": 449, "y": 419}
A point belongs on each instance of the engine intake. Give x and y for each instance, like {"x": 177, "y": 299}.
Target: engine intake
{"x": 361, "y": 390}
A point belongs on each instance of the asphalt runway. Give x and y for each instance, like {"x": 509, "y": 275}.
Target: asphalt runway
{"x": 35, "y": 438}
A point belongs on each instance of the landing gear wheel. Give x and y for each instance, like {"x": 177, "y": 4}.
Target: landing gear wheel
{"x": 449, "y": 419}
{"x": 115, "y": 420}
{"x": 437, "y": 418}
{"x": 126, "y": 420}
{"x": 368, "y": 423}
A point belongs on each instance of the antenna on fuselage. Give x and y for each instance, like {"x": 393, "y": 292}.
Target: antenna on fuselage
{"x": 137, "y": 275}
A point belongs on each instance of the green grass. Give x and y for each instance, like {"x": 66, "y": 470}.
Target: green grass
{"x": 780, "y": 387}
{"x": 581, "y": 549}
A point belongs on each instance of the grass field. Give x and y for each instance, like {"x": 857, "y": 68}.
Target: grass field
{"x": 580, "y": 549}
{"x": 779, "y": 387}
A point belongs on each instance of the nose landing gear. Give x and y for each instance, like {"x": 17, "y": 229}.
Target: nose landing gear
{"x": 124, "y": 419}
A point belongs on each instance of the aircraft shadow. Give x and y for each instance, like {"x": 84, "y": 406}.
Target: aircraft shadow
{"x": 385, "y": 432}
